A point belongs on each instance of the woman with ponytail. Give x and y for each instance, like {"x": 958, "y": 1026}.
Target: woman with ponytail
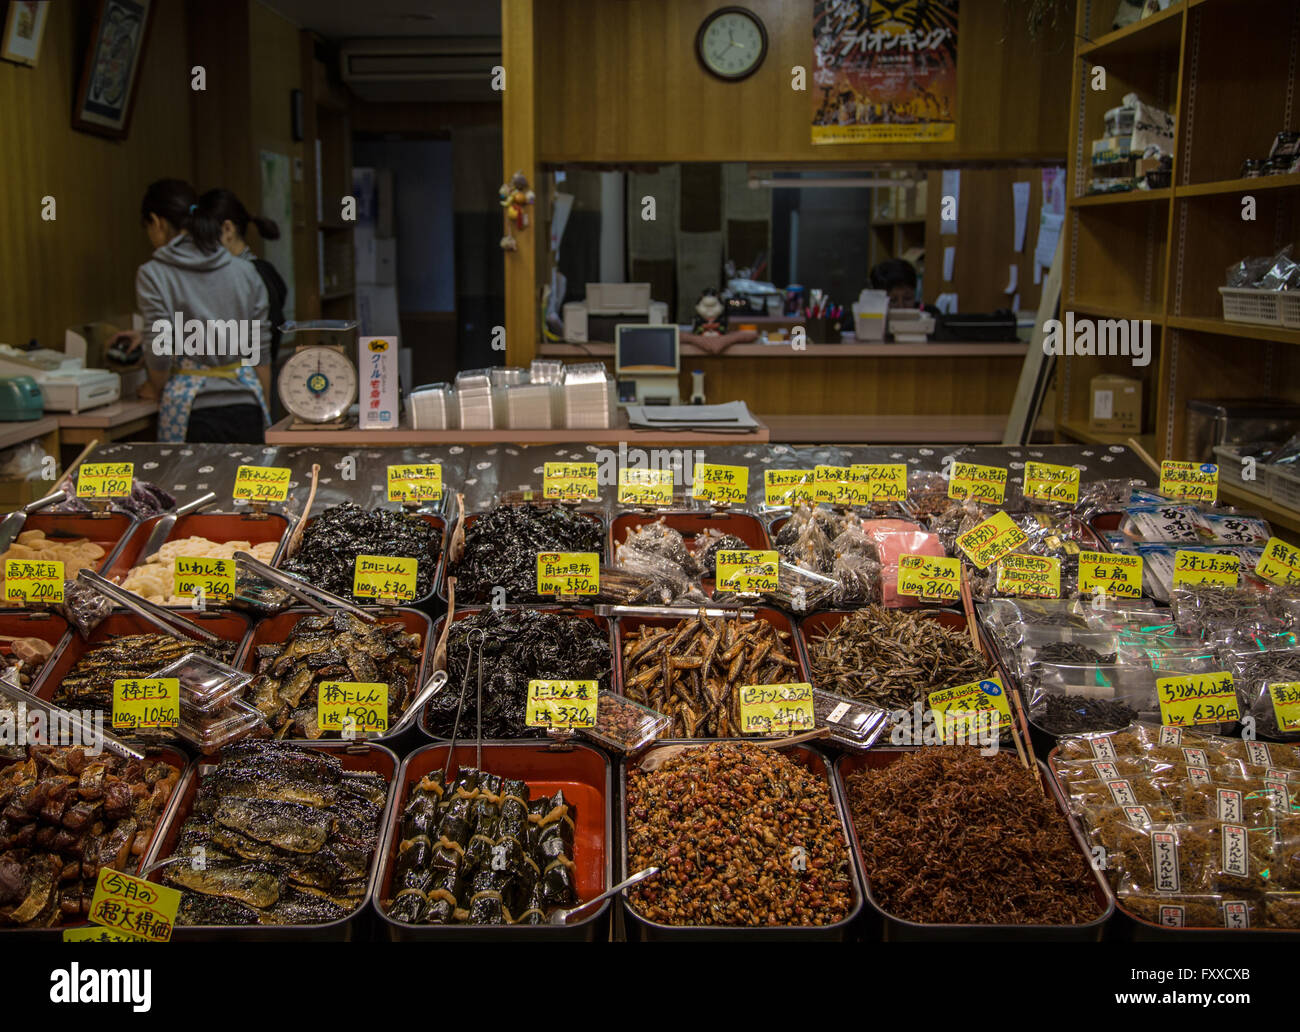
{"x": 212, "y": 385}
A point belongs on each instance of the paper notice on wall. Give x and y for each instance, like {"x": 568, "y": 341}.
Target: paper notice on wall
{"x": 1054, "y": 190}
{"x": 1020, "y": 203}
{"x": 1049, "y": 232}
{"x": 1013, "y": 284}
{"x": 946, "y": 303}
{"x": 949, "y": 200}
{"x": 949, "y": 259}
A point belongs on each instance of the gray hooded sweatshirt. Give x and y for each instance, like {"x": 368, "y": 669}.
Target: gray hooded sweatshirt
{"x": 180, "y": 278}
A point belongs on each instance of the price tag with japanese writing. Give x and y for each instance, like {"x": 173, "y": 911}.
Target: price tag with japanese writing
{"x": 98, "y": 933}
{"x": 645, "y": 486}
{"x": 386, "y": 577}
{"x": 977, "y": 483}
{"x": 1029, "y": 576}
{"x": 987, "y": 542}
{"x": 568, "y": 573}
{"x": 878, "y": 482}
{"x": 215, "y": 578}
{"x": 769, "y": 708}
{"x": 126, "y": 904}
{"x": 1279, "y": 563}
{"x": 415, "y": 483}
{"x": 1285, "y": 696}
{"x": 1191, "y": 699}
{"x": 105, "y": 479}
{"x": 747, "y": 570}
{"x": 967, "y": 709}
{"x": 562, "y": 704}
{"x": 831, "y": 485}
{"x": 1192, "y": 481}
{"x": 1047, "y": 483}
{"x": 33, "y": 580}
{"x": 352, "y": 707}
{"x": 146, "y": 702}
{"x": 571, "y": 481}
{"x": 929, "y": 577}
{"x": 711, "y": 483}
{"x": 1119, "y": 576}
{"x": 1205, "y": 568}
{"x": 262, "y": 483}
{"x": 788, "y": 486}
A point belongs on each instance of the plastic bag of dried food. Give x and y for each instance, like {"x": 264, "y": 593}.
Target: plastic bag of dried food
{"x": 84, "y": 608}
{"x": 1122, "y": 767}
{"x": 1066, "y": 700}
{"x": 1088, "y": 794}
{"x": 857, "y": 577}
{"x": 1238, "y": 859}
{"x": 927, "y": 493}
{"x": 805, "y": 540}
{"x": 1159, "y": 858}
{"x": 641, "y": 577}
{"x": 1273, "y": 760}
{"x": 1105, "y": 745}
{"x": 1268, "y": 684}
{"x": 1098, "y": 496}
{"x": 1179, "y": 524}
{"x": 1181, "y": 911}
{"x": 1251, "y": 802}
{"x": 955, "y": 521}
{"x": 1228, "y": 616}
{"x": 1235, "y": 527}
{"x": 893, "y": 539}
{"x": 801, "y": 590}
{"x": 1103, "y": 613}
{"x": 659, "y": 539}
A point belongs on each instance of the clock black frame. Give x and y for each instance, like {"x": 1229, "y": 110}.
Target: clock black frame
{"x": 714, "y": 16}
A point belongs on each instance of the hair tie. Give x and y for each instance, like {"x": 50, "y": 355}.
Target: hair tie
{"x": 193, "y": 208}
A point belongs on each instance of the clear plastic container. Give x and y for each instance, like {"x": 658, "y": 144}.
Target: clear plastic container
{"x": 206, "y": 685}
{"x": 853, "y": 724}
{"x": 210, "y": 732}
{"x": 624, "y": 725}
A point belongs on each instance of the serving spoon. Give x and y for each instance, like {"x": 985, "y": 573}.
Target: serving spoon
{"x": 559, "y": 917}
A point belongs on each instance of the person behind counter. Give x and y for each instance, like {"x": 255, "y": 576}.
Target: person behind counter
{"x": 229, "y": 210}
{"x": 219, "y": 395}
{"x": 898, "y": 277}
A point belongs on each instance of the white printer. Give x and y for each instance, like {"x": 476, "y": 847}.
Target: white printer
{"x": 609, "y": 305}
{"x": 66, "y": 384}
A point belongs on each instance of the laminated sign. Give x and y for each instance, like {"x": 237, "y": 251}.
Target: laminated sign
{"x": 1191, "y": 699}
{"x": 1190, "y": 481}
{"x": 1280, "y": 563}
{"x": 146, "y": 702}
{"x": 989, "y": 541}
{"x": 415, "y": 483}
{"x": 352, "y": 707}
{"x": 105, "y": 479}
{"x": 1047, "y": 483}
{"x": 975, "y": 483}
{"x": 1205, "y": 568}
{"x": 782, "y": 487}
{"x": 831, "y": 485}
{"x": 711, "y": 483}
{"x": 929, "y": 577}
{"x": 141, "y": 908}
{"x": 568, "y": 573}
{"x": 384, "y": 577}
{"x": 750, "y": 571}
{"x": 767, "y": 708}
{"x": 195, "y": 575}
{"x": 1029, "y": 576}
{"x": 571, "y": 481}
{"x": 878, "y": 482}
{"x": 645, "y": 486}
{"x": 561, "y": 704}
{"x": 967, "y": 709}
{"x": 1117, "y": 576}
{"x": 1285, "y": 696}
{"x": 262, "y": 483}
{"x": 33, "y": 580}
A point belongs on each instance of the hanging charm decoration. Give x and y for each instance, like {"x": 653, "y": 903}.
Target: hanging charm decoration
{"x": 516, "y": 199}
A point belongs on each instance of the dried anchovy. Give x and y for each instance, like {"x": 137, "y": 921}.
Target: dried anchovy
{"x": 517, "y": 646}
{"x": 952, "y": 837}
{"x": 742, "y": 836}
{"x": 1226, "y": 614}
{"x": 891, "y": 658}
{"x": 1073, "y": 714}
{"x": 1072, "y": 653}
{"x": 501, "y": 549}
{"x": 692, "y": 671}
{"x": 334, "y": 539}
{"x": 1253, "y": 672}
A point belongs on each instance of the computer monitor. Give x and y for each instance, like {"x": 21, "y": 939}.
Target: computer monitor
{"x": 644, "y": 348}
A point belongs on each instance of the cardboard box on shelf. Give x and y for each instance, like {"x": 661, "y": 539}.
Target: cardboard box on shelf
{"x": 1115, "y": 404}
{"x": 377, "y": 361}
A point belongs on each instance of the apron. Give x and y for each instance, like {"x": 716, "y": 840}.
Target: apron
{"x": 182, "y": 388}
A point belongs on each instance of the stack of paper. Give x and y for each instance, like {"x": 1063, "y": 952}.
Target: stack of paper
{"x": 732, "y": 416}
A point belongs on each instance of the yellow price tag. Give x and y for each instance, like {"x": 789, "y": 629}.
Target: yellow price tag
{"x": 98, "y": 933}
{"x": 1029, "y": 576}
{"x": 929, "y": 577}
{"x": 1192, "y": 481}
{"x": 1286, "y": 704}
{"x": 879, "y": 482}
{"x": 966, "y": 710}
{"x": 831, "y": 485}
{"x": 561, "y": 704}
{"x": 987, "y": 542}
{"x": 1047, "y": 483}
{"x": 105, "y": 479}
{"x": 146, "y": 702}
{"x": 751, "y": 571}
{"x": 415, "y": 483}
{"x": 568, "y": 573}
{"x": 127, "y": 904}
{"x": 262, "y": 483}
{"x": 33, "y": 580}
{"x": 1280, "y": 563}
{"x": 711, "y": 483}
{"x": 787, "y": 487}
{"x": 645, "y": 486}
{"x": 1205, "y": 568}
{"x": 571, "y": 481}
{"x": 977, "y": 483}
{"x": 768, "y": 708}
{"x": 392, "y": 578}
{"x": 1119, "y": 576}
{"x": 352, "y": 707}
{"x": 214, "y": 577}
{"x": 1191, "y": 699}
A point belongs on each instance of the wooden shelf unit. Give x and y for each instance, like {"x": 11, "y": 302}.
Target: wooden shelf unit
{"x": 1228, "y": 75}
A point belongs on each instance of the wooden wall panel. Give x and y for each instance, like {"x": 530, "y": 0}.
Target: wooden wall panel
{"x": 618, "y": 80}
{"x": 81, "y": 266}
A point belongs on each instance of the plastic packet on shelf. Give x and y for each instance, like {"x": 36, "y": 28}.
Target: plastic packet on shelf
{"x": 1263, "y": 678}
{"x": 853, "y": 724}
{"x": 206, "y": 684}
{"x": 1066, "y": 699}
{"x": 1159, "y": 858}
{"x": 624, "y": 725}
{"x": 1232, "y": 527}
{"x": 927, "y": 493}
{"x": 801, "y": 590}
{"x": 1226, "y": 616}
{"x": 1181, "y": 524}
{"x": 1252, "y": 802}
{"x": 1089, "y": 794}
{"x": 1120, "y": 614}
{"x": 1098, "y": 496}
{"x": 658, "y": 539}
{"x": 710, "y": 541}
{"x": 1159, "y": 560}
{"x": 1120, "y": 768}
{"x": 1106, "y": 745}
{"x": 84, "y": 608}
{"x": 1184, "y": 911}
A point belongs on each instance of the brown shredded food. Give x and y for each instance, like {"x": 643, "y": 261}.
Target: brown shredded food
{"x": 952, "y": 837}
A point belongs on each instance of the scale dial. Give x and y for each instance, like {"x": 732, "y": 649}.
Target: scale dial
{"x": 317, "y": 384}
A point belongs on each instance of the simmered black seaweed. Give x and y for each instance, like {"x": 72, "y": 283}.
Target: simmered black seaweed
{"x": 501, "y": 549}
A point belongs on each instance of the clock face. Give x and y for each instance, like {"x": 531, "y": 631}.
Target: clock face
{"x": 317, "y": 384}
{"x": 731, "y": 43}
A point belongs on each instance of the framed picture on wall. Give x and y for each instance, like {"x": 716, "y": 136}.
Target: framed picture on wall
{"x": 24, "y": 27}
{"x": 109, "y": 77}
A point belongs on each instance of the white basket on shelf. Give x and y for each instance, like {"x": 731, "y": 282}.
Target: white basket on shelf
{"x": 1284, "y": 486}
{"x": 1289, "y": 302}
{"x": 1228, "y": 457}
{"x": 1251, "y": 305}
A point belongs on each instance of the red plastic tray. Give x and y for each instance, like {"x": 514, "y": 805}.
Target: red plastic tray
{"x": 108, "y": 530}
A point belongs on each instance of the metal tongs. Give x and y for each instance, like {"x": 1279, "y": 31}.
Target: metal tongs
{"x": 89, "y": 733}
{"x": 431, "y": 688}
{"x": 164, "y": 619}
{"x": 13, "y": 523}
{"x": 318, "y": 598}
{"x": 163, "y": 528}
{"x": 677, "y": 612}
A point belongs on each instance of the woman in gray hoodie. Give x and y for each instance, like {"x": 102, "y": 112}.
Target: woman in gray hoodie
{"x": 207, "y": 336}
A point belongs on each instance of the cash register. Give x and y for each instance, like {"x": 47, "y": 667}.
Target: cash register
{"x": 647, "y": 360}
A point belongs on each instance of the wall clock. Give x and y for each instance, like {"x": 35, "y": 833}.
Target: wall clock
{"x": 731, "y": 43}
